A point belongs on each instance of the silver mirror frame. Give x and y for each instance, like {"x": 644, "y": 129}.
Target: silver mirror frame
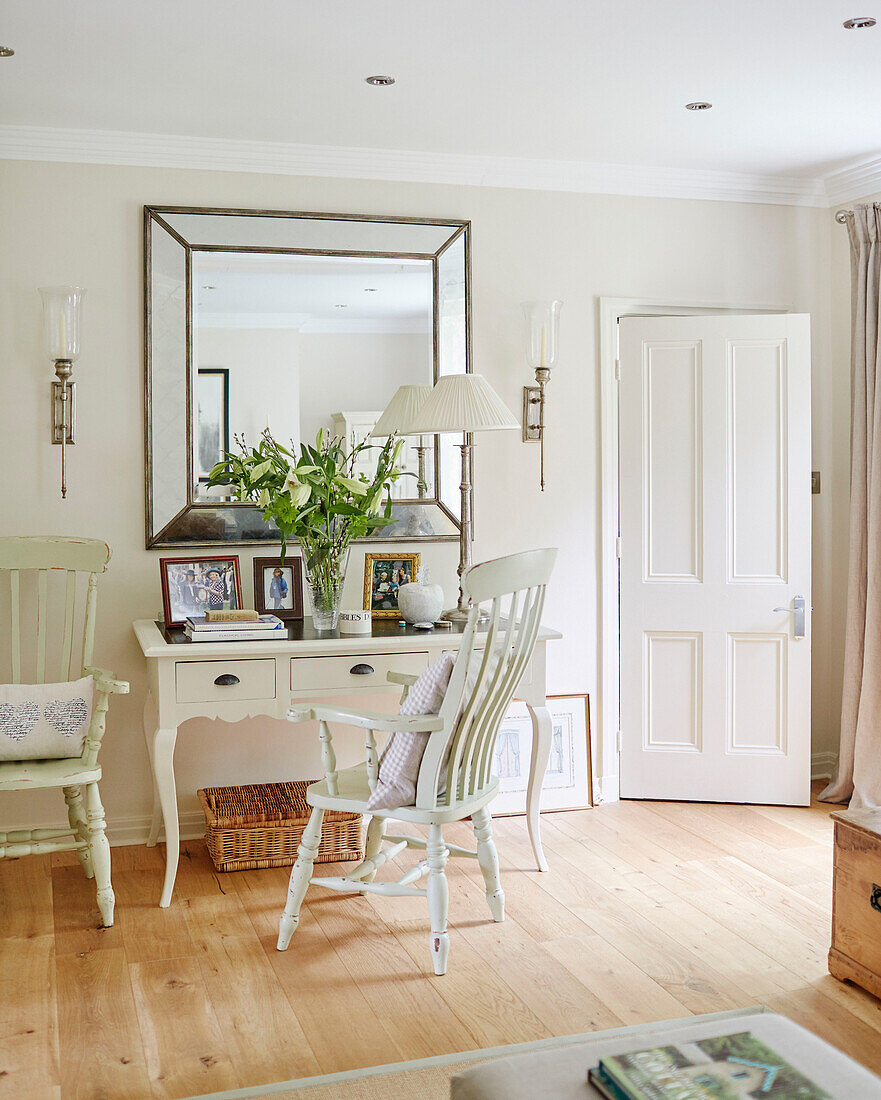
{"x": 207, "y": 523}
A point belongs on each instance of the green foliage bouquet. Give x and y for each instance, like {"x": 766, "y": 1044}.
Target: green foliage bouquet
{"x": 316, "y": 500}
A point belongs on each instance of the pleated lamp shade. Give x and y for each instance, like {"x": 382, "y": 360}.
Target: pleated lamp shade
{"x": 401, "y": 410}
{"x": 463, "y": 403}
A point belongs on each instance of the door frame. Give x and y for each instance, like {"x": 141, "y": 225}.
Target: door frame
{"x": 606, "y": 767}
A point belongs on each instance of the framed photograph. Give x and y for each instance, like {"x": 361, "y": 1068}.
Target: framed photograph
{"x": 567, "y": 782}
{"x": 384, "y": 575}
{"x": 278, "y": 587}
{"x": 191, "y": 586}
{"x": 212, "y": 418}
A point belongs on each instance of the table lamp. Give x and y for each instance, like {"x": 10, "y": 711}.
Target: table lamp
{"x": 398, "y": 419}
{"x": 463, "y": 403}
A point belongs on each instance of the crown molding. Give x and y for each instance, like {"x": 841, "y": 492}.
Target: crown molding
{"x": 854, "y": 182}
{"x": 42, "y": 143}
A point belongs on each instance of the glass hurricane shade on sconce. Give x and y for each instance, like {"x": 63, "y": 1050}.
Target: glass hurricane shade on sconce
{"x": 543, "y": 338}
{"x": 62, "y": 321}
{"x": 62, "y": 316}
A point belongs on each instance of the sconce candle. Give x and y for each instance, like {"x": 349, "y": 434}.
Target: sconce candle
{"x": 543, "y": 319}
{"x": 62, "y": 312}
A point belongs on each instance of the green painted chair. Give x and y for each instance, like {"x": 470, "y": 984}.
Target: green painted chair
{"x": 29, "y": 563}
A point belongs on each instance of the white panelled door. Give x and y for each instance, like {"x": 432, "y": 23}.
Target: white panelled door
{"x": 715, "y": 520}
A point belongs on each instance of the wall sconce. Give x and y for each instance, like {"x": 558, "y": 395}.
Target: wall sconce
{"x": 543, "y": 319}
{"x": 61, "y": 326}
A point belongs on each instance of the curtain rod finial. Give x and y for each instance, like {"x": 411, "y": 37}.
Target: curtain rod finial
{"x": 842, "y": 215}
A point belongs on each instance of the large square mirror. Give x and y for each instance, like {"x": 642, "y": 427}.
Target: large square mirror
{"x": 294, "y": 322}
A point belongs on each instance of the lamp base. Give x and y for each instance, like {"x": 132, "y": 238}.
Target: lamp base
{"x": 457, "y": 615}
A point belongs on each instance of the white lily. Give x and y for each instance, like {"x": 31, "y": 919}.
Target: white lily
{"x": 356, "y": 487}
{"x": 300, "y": 491}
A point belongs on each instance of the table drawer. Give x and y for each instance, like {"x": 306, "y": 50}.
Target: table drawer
{"x": 197, "y": 681}
{"x": 320, "y": 675}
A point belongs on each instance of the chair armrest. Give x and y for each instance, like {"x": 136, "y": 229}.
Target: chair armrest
{"x": 389, "y": 723}
{"x": 405, "y": 679}
{"x": 105, "y": 681}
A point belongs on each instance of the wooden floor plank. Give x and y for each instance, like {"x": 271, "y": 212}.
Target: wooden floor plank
{"x": 99, "y": 1033}
{"x": 316, "y": 983}
{"x": 183, "y": 1043}
{"x": 259, "y": 1027}
{"x": 393, "y": 985}
{"x": 29, "y": 1057}
{"x": 27, "y": 878}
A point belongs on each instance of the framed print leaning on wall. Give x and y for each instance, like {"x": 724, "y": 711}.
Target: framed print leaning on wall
{"x": 567, "y": 782}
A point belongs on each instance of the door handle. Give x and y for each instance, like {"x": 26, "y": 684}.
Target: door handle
{"x": 798, "y": 612}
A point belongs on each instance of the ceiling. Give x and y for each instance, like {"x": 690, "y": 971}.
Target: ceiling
{"x": 313, "y": 294}
{"x": 596, "y": 83}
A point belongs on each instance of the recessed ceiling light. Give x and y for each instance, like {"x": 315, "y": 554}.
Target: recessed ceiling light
{"x": 379, "y": 81}
{"x": 341, "y": 305}
{"x": 370, "y": 289}
{"x": 859, "y": 24}
{"x": 6, "y": 51}
{"x": 698, "y": 105}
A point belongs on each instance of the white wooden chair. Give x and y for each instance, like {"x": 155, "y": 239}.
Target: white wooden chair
{"x": 455, "y": 778}
{"x": 82, "y": 560}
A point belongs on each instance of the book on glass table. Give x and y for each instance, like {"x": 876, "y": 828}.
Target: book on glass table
{"x": 725, "y": 1067}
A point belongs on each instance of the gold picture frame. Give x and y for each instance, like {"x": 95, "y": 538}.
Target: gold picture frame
{"x": 381, "y": 584}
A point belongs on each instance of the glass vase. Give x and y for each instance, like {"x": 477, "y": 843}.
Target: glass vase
{"x": 325, "y": 575}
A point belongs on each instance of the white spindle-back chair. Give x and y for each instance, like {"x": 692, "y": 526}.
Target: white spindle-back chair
{"x": 455, "y": 778}
{"x": 31, "y": 564}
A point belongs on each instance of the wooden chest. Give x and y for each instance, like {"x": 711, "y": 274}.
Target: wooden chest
{"x": 856, "y": 899}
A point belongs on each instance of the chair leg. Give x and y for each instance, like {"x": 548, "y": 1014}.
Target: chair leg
{"x": 99, "y": 850}
{"x": 488, "y": 858}
{"x": 438, "y": 898}
{"x": 76, "y": 815}
{"x": 301, "y": 874}
{"x": 373, "y": 843}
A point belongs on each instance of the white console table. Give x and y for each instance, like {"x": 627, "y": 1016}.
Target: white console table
{"x": 238, "y": 680}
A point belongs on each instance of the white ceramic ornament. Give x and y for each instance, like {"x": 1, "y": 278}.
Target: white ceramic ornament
{"x": 420, "y": 602}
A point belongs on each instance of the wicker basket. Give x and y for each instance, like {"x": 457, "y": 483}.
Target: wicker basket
{"x": 261, "y": 825}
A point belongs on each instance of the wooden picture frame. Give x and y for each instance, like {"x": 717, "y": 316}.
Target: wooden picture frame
{"x": 183, "y": 596}
{"x": 290, "y": 601}
{"x": 568, "y": 782}
{"x": 381, "y": 593}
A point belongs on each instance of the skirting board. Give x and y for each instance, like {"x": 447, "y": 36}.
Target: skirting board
{"x": 135, "y": 829}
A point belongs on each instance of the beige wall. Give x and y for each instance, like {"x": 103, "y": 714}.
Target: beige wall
{"x": 78, "y": 223}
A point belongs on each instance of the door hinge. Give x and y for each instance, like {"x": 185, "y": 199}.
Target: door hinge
{"x": 618, "y": 741}
{"x": 617, "y": 370}
{"x": 618, "y": 547}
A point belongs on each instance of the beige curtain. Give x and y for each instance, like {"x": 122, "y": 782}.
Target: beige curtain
{"x": 859, "y": 762}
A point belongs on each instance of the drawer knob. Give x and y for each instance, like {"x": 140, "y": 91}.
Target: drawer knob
{"x": 362, "y": 670}
{"x": 227, "y": 679}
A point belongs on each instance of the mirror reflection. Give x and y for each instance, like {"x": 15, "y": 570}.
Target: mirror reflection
{"x": 295, "y": 344}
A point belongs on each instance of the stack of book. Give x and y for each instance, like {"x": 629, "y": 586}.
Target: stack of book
{"x": 262, "y": 629}
{"x": 724, "y": 1067}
